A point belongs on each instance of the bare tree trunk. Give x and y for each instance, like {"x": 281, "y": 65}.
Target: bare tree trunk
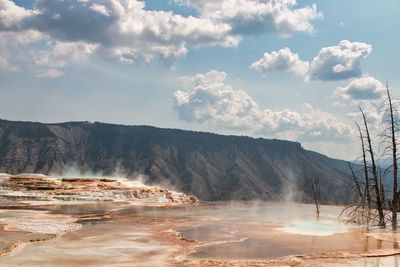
{"x": 374, "y": 173}
{"x": 367, "y": 193}
{"x": 356, "y": 183}
{"x": 393, "y": 144}
{"x": 316, "y": 192}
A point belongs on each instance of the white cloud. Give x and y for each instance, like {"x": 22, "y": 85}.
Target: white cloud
{"x": 126, "y": 31}
{"x": 14, "y": 48}
{"x": 33, "y": 51}
{"x": 258, "y": 16}
{"x": 361, "y": 89}
{"x": 53, "y": 63}
{"x": 101, "y": 9}
{"x": 282, "y": 60}
{"x": 339, "y": 62}
{"x": 207, "y": 99}
{"x": 120, "y": 29}
{"x": 12, "y": 15}
{"x": 333, "y": 63}
{"x": 366, "y": 92}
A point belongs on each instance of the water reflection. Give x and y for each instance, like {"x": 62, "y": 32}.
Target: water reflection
{"x": 244, "y": 231}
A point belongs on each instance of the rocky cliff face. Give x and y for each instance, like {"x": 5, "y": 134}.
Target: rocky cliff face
{"x": 210, "y": 166}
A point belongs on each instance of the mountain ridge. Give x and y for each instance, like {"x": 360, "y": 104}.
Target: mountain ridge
{"x": 208, "y": 165}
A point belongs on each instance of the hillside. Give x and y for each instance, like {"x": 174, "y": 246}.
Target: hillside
{"x": 210, "y": 166}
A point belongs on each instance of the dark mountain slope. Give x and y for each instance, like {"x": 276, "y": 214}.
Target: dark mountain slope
{"x": 211, "y": 166}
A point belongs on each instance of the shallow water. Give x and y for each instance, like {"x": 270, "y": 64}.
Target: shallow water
{"x": 103, "y": 244}
{"x": 225, "y": 231}
{"x": 315, "y": 228}
{"x": 272, "y": 230}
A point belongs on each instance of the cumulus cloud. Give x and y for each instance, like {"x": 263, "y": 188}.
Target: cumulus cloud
{"x": 44, "y": 56}
{"x": 53, "y": 63}
{"x": 208, "y": 99}
{"x": 333, "y": 63}
{"x": 361, "y": 89}
{"x": 258, "y": 16}
{"x": 12, "y": 15}
{"x": 339, "y": 62}
{"x": 118, "y": 29}
{"x": 366, "y": 92}
{"x": 282, "y": 60}
{"x": 124, "y": 23}
{"x": 126, "y": 31}
{"x": 14, "y": 48}
{"x": 101, "y": 9}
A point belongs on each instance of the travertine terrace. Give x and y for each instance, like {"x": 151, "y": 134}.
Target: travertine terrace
{"x": 34, "y": 189}
{"x": 28, "y": 203}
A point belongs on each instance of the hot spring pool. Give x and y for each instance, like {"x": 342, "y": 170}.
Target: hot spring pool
{"x": 316, "y": 227}
{"x": 222, "y": 231}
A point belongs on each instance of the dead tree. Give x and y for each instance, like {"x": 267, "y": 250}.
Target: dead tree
{"x": 390, "y": 141}
{"x": 377, "y": 184}
{"x": 316, "y": 189}
{"x": 356, "y": 183}
{"x": 357, "y": 212}
{"x": 395, "y": 199}
{"x": 386, "y": 201}
{"x": 366, "y": 178}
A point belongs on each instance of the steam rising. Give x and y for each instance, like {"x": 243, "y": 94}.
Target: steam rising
{"x": 290, "y": 192}
{"x": 119, "y": 173}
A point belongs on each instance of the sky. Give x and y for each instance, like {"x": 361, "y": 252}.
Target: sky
{"x": 286, "y": 69}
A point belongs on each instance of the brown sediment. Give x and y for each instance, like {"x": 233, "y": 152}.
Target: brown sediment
{"x": 32, "y": 227}
{"x": 173, "y": 238}
{"x": 94, "y": 217}
{"x": 6, "y": 250}
{"x": 260, "y": 263}
{"x": 315, "y": 260}
{"x": 12, "y": 240}
{"x": 312, "y": 259}
{"x": 161, "y": 245}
